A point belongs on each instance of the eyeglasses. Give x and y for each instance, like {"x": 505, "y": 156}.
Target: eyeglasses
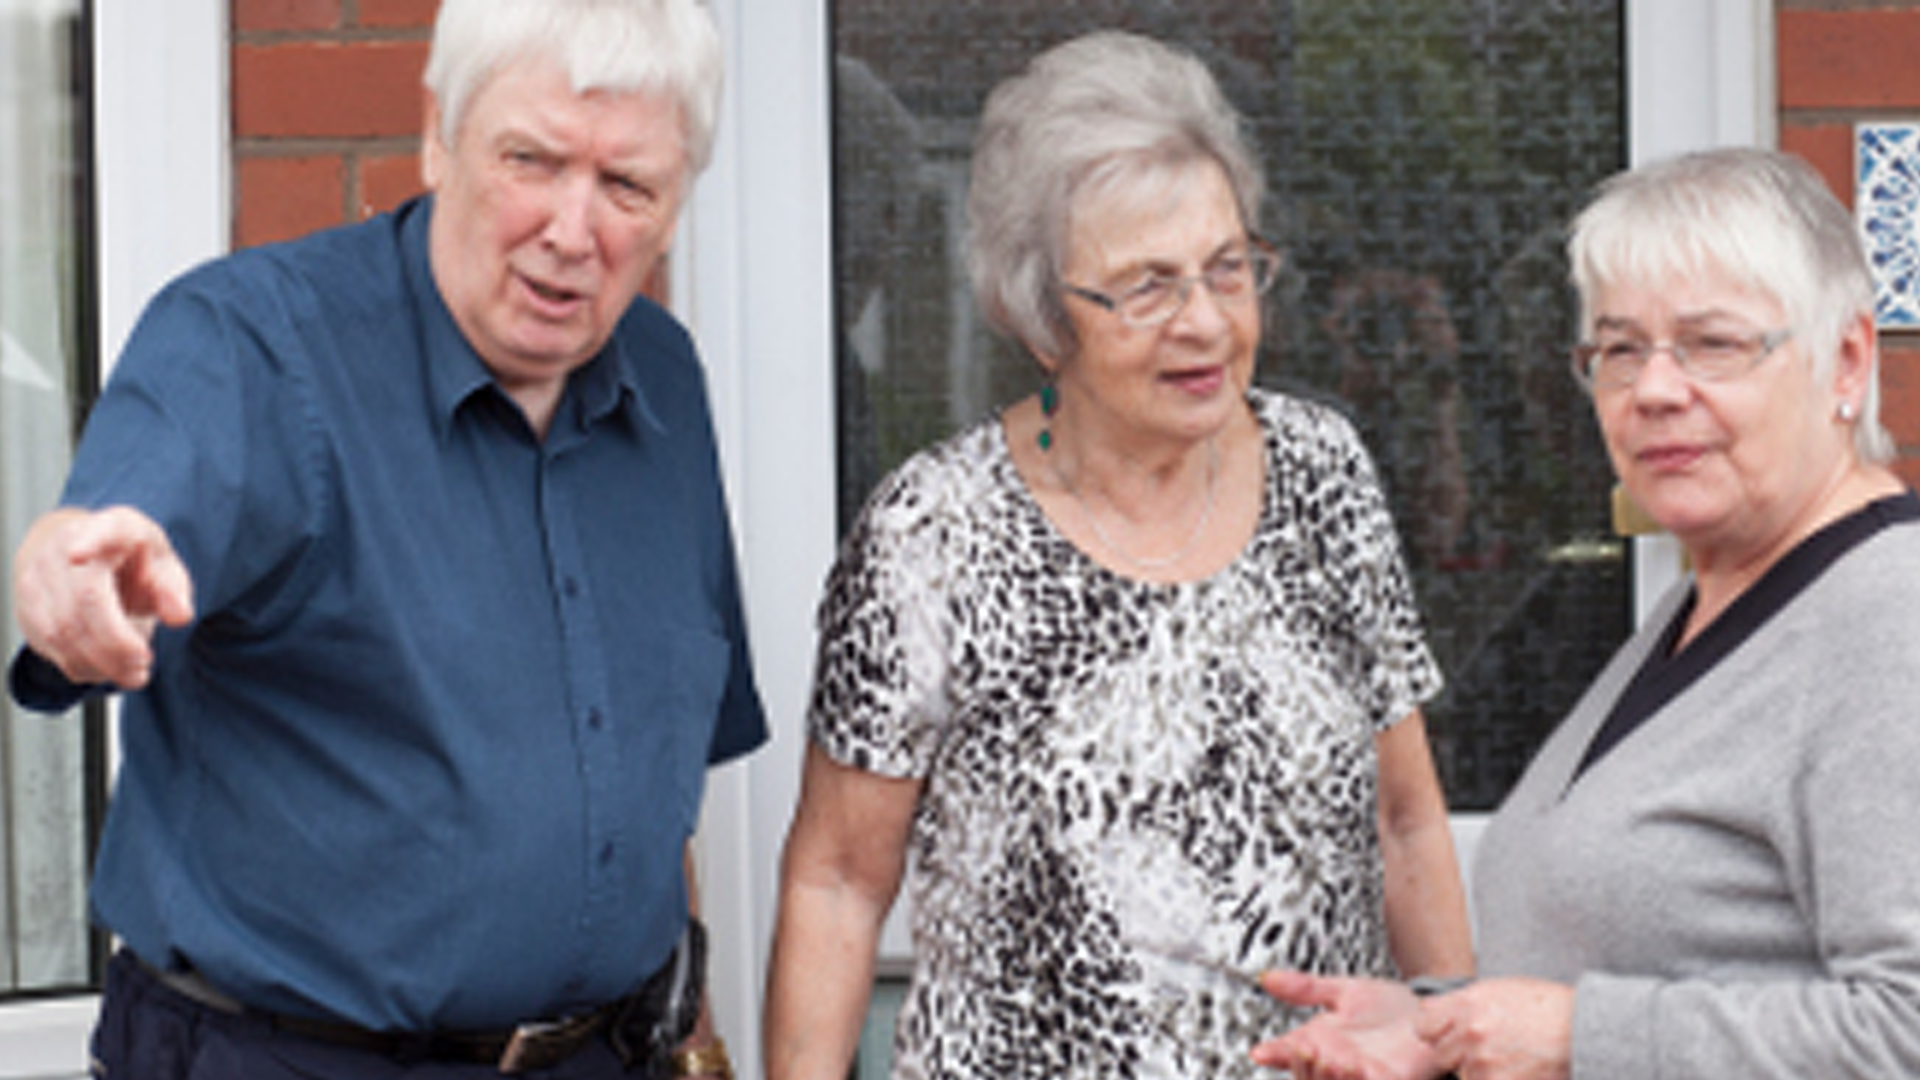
{"x": 1615, "y": 361}
{"x": 1241, "y": 271}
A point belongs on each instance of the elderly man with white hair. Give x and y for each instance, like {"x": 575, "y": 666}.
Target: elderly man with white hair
{"x": 406, "y": 544}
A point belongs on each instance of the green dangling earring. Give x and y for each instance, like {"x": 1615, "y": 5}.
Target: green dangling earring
{"x": 1049, "y": 404}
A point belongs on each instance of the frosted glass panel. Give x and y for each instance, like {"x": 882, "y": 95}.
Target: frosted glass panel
{"x": 44, "y": 942}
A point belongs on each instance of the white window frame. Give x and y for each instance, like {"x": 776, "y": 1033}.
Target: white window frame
{"x": 752, "y": 277}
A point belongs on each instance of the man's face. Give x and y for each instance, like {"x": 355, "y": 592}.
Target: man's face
{"x": 552, "y": 209}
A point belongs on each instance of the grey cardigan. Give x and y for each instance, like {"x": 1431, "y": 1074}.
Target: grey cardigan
{"x": 1734, "y": 890}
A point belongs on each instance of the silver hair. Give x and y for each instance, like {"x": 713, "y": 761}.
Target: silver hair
{"x": 665, "y": 46}
{"x": 1763, "y": 218}
{"x": 1109, "y": 114}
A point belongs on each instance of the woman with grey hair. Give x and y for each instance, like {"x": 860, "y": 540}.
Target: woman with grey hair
{"x": 1709, "y": 869}
{"x": 1129, "y": 671}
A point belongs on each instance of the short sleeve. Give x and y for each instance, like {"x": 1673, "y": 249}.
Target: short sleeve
{"x": 1375, "y": 630}
{"x": 880, "y": 693}
{"x": 208, "y": 427}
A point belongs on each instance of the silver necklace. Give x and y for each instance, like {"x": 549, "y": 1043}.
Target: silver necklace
{"x": 1160, "y": 562}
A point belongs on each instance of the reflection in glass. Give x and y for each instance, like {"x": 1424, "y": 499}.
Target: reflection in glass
{"x": 44, "y": 943}
{"x": 1422, "y": 156}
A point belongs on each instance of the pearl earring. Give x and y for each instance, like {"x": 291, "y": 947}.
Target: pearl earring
{"x": 1846, "y": 411}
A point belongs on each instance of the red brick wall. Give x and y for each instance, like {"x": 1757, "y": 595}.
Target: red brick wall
{"x": 1842, "y": 62}
{"x": 327, "y": 112}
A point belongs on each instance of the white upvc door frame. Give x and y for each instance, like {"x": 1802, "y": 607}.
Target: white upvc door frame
{"x": 752, "y": 276}
{"x": 1700, "y": 74}
{"x": 161, "y": 149}
{"x": 753, "y": 279}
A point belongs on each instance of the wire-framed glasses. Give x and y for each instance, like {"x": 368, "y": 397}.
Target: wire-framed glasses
{"x": 1243, "y": 270}
{"x": 1614, "y": 360}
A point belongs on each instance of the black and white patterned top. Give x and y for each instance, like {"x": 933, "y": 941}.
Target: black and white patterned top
{"x": 1122, "y": 778}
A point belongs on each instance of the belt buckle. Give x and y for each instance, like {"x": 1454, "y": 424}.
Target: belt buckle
{"x": 535, "y": 1046}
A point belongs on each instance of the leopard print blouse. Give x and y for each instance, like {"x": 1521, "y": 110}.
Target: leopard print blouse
{"x": 1127, "y": 786}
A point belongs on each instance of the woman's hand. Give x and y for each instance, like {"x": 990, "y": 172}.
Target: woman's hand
{"x": 1365, "y": 1031}
{"x": 1502, "y": 1029}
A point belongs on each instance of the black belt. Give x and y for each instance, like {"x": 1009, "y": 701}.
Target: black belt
{"x": 646, "y": 1024}
{"x": 536, "y": 1045}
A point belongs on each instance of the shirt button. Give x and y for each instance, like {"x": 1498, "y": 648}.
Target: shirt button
{"x": 595, "y": 719}
{"x": 571, "y": 587}
{"x": 606, "y": 853}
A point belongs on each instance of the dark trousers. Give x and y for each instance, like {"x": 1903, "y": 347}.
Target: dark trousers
{"x": 148, "y": 1031}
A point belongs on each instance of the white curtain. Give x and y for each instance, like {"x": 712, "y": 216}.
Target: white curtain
{"x": 43, "y": 937}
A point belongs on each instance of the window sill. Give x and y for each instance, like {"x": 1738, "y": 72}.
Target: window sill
{"x": 46, "y": 1040}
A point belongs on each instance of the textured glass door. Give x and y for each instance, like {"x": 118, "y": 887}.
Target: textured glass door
{"x": 1422, "y": 157}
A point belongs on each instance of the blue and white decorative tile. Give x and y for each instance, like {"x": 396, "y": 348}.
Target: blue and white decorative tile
{"x": 1887, "y": 206}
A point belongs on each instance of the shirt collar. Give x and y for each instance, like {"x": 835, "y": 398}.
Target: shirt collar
{"x": 604, "y": 387}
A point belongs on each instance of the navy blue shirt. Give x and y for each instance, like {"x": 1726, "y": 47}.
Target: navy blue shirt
{"x": 430, "y": 753}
